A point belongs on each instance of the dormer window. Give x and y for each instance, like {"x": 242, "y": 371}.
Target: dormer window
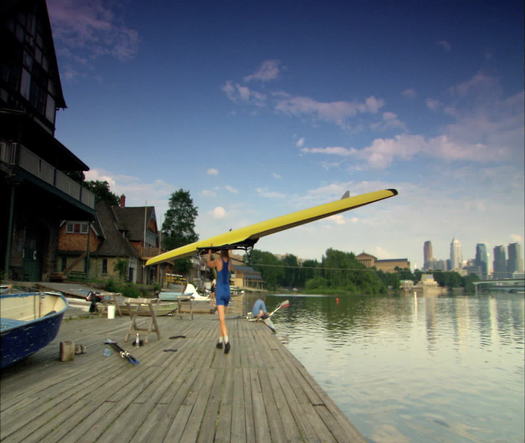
{"x": 77, "y": 228}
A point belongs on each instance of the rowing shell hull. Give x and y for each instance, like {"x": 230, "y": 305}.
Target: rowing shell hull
{"x": 247, "y": 236}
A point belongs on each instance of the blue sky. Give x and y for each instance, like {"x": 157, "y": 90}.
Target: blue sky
{"x": 263, "y": 108}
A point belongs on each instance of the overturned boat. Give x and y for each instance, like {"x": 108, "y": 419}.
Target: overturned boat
{"x": 182, "y": 292}
{"x": 28, "y": 322}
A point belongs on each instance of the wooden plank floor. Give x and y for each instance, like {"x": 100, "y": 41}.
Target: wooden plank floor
{"x": 257, "y": 393}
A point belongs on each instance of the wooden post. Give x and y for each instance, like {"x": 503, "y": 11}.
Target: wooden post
{"x": 67, "y": 351}
{"x": 9, "y": 233}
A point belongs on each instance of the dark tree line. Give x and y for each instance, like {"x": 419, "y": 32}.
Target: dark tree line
{"x": 339, "y": 271}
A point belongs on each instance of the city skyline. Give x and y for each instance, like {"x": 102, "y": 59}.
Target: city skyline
{"x": 498, "y": 261}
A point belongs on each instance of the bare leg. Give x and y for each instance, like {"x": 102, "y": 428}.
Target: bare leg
{"x": 223, "y": 329}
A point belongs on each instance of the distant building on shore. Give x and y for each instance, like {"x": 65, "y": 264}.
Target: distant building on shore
{"x": 515, "y": 261}
{"x": 428, "y": 257}
{"x": 482, "y": 260}
{"x": 388, "y": 265}
{"x": 456, "y": 256}
{"x": 500, "y": 262}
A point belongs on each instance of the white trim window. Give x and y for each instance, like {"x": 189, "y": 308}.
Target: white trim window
{"x": 77, "y": 227}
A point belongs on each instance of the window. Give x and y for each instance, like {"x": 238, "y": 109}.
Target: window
{"x": 50, "y": 109}
{"x": 77, "y": 228}
{"x": 25, "y": 84}
{"x": 104, "y": 266}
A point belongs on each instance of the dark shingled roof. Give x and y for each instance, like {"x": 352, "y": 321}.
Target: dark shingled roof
{"x": 132, "y": 220}
{"x": 115, "y": 244}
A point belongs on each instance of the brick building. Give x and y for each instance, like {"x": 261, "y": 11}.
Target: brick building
{"x": 118, "y": 234}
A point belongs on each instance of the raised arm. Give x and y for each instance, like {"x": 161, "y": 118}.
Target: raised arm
{"x": 210, "y": 262}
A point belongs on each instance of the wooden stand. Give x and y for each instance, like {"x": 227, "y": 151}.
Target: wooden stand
{"x": 180, "y": 301}
{"x": 136, "y": 307}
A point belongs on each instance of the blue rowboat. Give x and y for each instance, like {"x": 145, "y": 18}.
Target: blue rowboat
{"x": 28, "y": 322}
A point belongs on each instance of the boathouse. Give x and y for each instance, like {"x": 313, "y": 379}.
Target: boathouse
{"x": 40, "y": 178}
{"x": 128, "y": 235}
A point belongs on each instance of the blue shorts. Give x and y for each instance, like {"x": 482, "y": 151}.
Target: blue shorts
{"x": 222, "y": 297}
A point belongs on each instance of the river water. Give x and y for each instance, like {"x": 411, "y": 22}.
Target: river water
{"x": 415, "y": 369}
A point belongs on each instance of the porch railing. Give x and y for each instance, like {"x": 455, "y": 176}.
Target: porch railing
{"x": 17, "y": 154}
{"x": 149, "y": 252}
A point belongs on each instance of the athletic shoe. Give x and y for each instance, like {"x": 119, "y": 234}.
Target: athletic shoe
{"x": 218, "y": 345}
{"x": 227, "y": 348}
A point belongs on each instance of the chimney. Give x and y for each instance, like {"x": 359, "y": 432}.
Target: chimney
{"x": 122, "y": 201}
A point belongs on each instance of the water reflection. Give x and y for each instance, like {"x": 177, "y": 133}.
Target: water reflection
{"x": 446, "y": 368}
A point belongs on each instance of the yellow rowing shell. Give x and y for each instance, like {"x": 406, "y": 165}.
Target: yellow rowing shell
{"x": 248, "y": 236}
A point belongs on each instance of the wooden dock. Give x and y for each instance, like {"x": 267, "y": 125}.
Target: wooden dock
{"x": 257, "y": 393}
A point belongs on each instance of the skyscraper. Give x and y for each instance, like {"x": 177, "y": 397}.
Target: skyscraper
{"x": 515, "y": 261}
{"x": 428, "y": 258}
{"x": 500, "y": 262}
{"x": 456, "y": 257}
{"x": 482, "y": 260}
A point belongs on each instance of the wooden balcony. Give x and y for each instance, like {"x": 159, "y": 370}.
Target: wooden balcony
{"x": 147, "y": 252}
{"x": 18, "y": 155}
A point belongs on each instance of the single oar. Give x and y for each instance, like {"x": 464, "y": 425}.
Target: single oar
{"x": 123, "y": 353}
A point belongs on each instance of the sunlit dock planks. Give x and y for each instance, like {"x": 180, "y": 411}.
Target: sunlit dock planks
{"x": 257, "y": 393}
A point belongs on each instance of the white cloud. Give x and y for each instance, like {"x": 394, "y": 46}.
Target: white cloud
{"x": 300, "y": 143}
{"x": 432, "y": 104}
{"x": 335, "y": 191}
{"x": 487, "y": 128}
{"x": 337, "y": 112}
{"x": 409, "y": 93}
{"x": 269, "y": 70}
{"x": 231, "y": 189}
{"x": 84, "y": 31}
{"x": 337, "y": 219}
{"x": 264, "y": 192}
{"x": 381, "y": 253}
{"x": 329, "y": 150}
{"x": 212, "y": 171}
{"x": 445, "y": 45}
{"x": 516, "y": 238}
{"x": 276, "y": 176}
{"x": 243, "y": 94}
{"x": 208, "y": 193}
{"x": 390, "y": 121}
{"x": 382, "y": 152}
{"x": 137, "y": 192}
{"x": 479, "y": 84}
{"x": 101, "y": 175}
{"x": 218, "y": 212}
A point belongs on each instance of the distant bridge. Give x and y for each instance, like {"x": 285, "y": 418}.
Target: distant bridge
{"x": 501, "y": 283}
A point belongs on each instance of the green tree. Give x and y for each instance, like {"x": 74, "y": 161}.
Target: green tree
{"x": 448, "y": 279}
{"x": 268, "y": 265}
{"x": 291, "y": 272}
{"x": 468, "y": 282}
{"x": 121, "y": 267}
{"x": 178, "y": 228}
{"x": 102, "y": 191}
{"x": 390, "y": 279}
{"x": 309, "y": 271}
{"x": 317, "y": 283}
